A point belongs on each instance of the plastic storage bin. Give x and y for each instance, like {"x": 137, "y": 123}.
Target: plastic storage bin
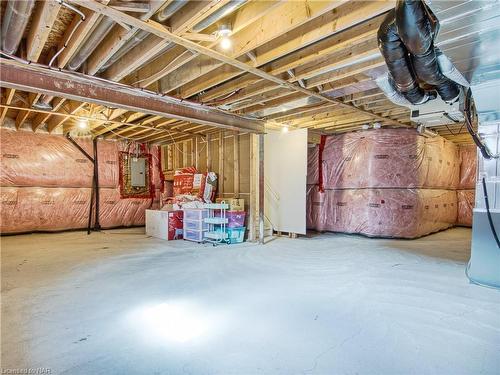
{"x": 235, "y": 219}
{"x": 195, "y": 214}
{"x": 234, "y": 235}
{"x": 193, "y": 235}
{"x": 195, "y": 225}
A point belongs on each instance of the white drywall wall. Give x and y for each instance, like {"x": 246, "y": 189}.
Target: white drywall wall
{"x": 285, "y": 170}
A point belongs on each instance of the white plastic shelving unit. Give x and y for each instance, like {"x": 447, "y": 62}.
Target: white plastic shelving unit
{"x": 212, "y": 235}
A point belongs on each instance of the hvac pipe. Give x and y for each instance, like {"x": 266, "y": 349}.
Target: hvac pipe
{"x": 396, "y": 57}
{"x": 162, "y": 16}
{"x": 15, "y": 19}
{"x": 90, "y": 44}
{"x": 169, "y": 10}
{"x": 45, "y": 100}
{"x": 406, "y": 40}
{"x": 217, "y": 15}
{"x": 417, "y": 33}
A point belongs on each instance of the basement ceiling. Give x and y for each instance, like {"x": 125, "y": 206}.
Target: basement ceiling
{"x": 300, "y": 64}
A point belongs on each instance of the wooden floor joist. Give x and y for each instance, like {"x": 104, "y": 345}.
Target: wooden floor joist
{"x": 164, "y": 33}
{"x": 301, "y": 64}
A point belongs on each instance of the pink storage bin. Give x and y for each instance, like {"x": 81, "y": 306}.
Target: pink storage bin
{"x": 235, "y": 218}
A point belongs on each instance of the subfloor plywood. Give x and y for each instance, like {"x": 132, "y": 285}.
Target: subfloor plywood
{"x": 120, "y": 302}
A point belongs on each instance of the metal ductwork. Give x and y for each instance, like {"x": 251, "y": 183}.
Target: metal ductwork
{"x": 162, "y": 16}
{"x": 217, "y": 15}
{"x": 15, "y": 19}
{"x": 396, "y": 57}
{"x": 169, "y": 10}
{"x": 44, "y": 103}
{"x": 406, "y": 40}
{"x": 131, "y": 43}
{"x": 90, "y": 44}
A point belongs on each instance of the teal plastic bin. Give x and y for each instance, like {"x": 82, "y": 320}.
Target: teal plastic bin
{"x": 234, "y": 235}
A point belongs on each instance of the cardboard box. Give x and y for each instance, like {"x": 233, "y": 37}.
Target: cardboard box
{"x": 166, "y": 225}
{"x": 236, "y": 204}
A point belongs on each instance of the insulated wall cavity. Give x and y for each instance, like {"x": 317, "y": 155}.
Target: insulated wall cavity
{"x": 44, "y": 160}
{"x": 398, "y": 213}
{"x": 468, "y": 166}
{"x": 46, "y": 184}
{"x": 395, "y": 158}
{"x": 383, "y": 183}
{"x": 467, "y": 183}
{"x": 466, "y": 200}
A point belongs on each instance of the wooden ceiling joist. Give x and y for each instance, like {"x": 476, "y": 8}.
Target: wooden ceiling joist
{"x": 164, "y": 33}
{"x": 292, "y": 51}
{"x": 303, "y": 64}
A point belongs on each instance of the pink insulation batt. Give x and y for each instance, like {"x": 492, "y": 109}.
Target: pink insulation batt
{"x": 466, "y": 200}
{"x": 43, "y": 160}
{"x": 384, "y": 183}
{"x": 46, "y": 184}
{"x": 26, "y": 209}
{"x": 400, "y": 213}
{"x": 312, "y": 165}
{"x": 468, "y": 166}
{"x": 396, "y": 158}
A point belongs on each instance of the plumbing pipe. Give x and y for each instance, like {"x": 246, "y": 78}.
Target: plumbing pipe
{"x": 44, "y": 101}
{"x": 82, "y": 18}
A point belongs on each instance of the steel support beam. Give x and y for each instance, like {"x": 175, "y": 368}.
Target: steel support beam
{"x": 80, "y": 87}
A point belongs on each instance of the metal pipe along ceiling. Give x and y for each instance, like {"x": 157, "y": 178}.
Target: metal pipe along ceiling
{"x": 169, "y": 10}
{"x": 406, "y": 40}
{"x": 140, "y": 35}
{"x": 95, "y": 37}
{"x": 14, "y": 22}
{"x": 131, "y": 43}
{"x": 217, "y": 15}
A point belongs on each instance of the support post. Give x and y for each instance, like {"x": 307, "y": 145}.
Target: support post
{"x": 261, "y": 189}
{"x": 236, "y": 165}
{"x": 97, "y": 226}
{"x": 256, "y": 219}
{"x": 221, "y": 164}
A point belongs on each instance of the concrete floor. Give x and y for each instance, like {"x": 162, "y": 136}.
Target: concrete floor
{"x": 118, "y": 302}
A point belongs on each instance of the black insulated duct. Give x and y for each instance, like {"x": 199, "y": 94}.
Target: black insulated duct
{"x": 396, "y": 57}
{"x": 406, "y": 40}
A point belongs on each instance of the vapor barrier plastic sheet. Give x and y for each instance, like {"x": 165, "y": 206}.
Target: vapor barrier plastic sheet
{"x": 313, "y": 165}
{"x": 45, "y": 160}
{"x": 412, "y": 170}
{"x": 388, "y": 158}
{"x": 468, "y": 166}
{"x": 30, "y": 159}
{"x": 466, "y": 200}
{"x": 46, "y": 184}
{"x": 26, "y": 209}
{"x": 401, "y": 213}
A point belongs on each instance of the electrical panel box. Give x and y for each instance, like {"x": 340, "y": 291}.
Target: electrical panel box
{"x": 138, "y": 172}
